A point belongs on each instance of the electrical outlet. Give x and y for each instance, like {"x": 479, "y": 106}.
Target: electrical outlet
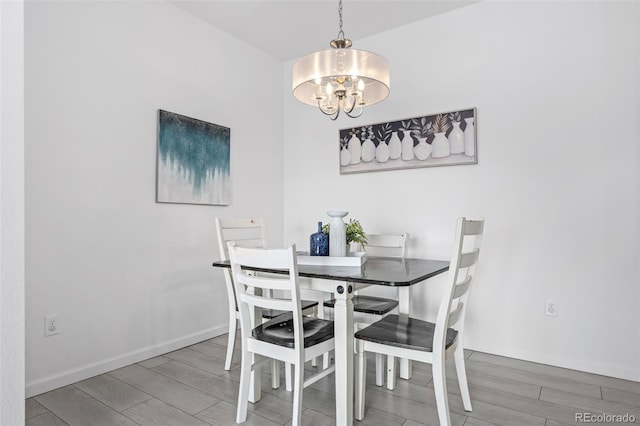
{"x": 51, "y": 325}
{"x": 551, "y": 308}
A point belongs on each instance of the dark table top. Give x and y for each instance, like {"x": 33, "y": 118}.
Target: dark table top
{"x": 387, "y": 271}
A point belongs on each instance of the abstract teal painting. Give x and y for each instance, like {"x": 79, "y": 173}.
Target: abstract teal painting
{"x": 193, "y": 161}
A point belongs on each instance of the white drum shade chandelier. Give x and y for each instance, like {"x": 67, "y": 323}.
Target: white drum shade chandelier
{"x": 341, "y": 78}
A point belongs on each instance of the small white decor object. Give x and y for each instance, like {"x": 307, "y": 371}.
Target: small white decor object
{"x": 456, "y": 139}
{"x": 423, "y": 149}
{"x": 469, "y": 138}
{"x": 382, "y": 152}
{"x": 354, "y": 150}
{"x": 368, "y": 151}
{"x": 337, "y": 234}
{"x": 345, "y": 156}
{"x": 440, "y": 143}
{"x": 407, "y": 146}
{"x": 395, "y": 147}
{"x": 440, "y": 146}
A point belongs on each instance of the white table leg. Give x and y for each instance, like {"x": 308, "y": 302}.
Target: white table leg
{"x": 405, "y": 308}
{"x": 343, "y": 312}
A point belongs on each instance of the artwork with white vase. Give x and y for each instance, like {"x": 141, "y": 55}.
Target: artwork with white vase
{"x": 442, "y": 139}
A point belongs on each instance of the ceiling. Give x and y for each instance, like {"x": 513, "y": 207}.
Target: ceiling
{"x": 291, "y": 29}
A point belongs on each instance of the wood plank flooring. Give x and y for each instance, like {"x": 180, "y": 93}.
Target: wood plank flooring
{"x": 190, "y": 387}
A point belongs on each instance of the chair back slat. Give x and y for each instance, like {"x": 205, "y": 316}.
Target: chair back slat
{"x": 248, "y": 232}
{"x": 267, "y": 302}
{"x": 251, "y": 242}
{"x": 387, "y": 245}
{"x": 473, "y": 227}
{"x": 261, "y": 258}
{"x": 243, "y": 223}
{"x": 468, "y": 259}
{"x": 461, "y": 289}
{"x": 264, "y": 283}
{"x": 454, "y": 316}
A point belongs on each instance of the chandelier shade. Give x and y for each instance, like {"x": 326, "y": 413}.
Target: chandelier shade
{"x": 312, "y": 73}
{"x": 341, "y": 79}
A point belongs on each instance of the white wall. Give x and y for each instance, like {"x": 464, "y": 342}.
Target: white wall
{"x": 638, "y": 150}
{"x": 130, "y": 278}
{"x": 556, "y": 88}
{"x": 12, "y": 213}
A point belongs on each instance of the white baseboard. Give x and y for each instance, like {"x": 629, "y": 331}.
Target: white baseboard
{"x": 587, "y": 366}
{"x": 68, "y": 377}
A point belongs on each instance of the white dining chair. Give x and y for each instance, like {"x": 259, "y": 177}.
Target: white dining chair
{"x": 411, "y": 338}
{"x": 292, "y": 337}
{"x": 247, "y": 232}
{"x": 369, "y": 308}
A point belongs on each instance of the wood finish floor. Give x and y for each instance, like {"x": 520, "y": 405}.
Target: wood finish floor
{"x": 190, "y": 387}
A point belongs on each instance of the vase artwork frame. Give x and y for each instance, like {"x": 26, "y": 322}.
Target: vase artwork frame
{"x": 460, "y": 133}
{"x": 193, "y": 159}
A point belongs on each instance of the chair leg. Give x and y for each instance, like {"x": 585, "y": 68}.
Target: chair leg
{"x": 461, "y": 371}
{"x": 275, "y": 374}
{"x": 314, "y": 312}
{"x": 361, "y": 380}
{"x": 245, "y": 379}
{"x": 325, "y": 360}
{"x": 231, "y": 341}
{"x": 325, "y": 356}
{"x": 297, "y": 393}
{"x": 440, "y": 388}
{"x": 287, "y": 376}
{"x": 380, "y": 367}
{"x": 391, "y": 372}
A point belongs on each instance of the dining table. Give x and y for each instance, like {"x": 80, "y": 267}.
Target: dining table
{"x": 341, "y": 282}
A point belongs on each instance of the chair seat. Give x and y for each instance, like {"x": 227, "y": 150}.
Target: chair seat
{"x": 404, "y": 332}
{"x": 272, "y": 313}
{"x": 368, "y": 304}
{"x": 279, "y": 331}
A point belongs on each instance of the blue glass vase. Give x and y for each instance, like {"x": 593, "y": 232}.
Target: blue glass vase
{"x": 319, "y": 243}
